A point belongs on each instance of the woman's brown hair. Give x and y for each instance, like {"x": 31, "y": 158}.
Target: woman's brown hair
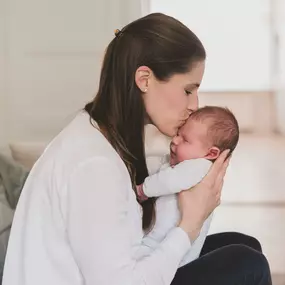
{"x": 167, "y": 47}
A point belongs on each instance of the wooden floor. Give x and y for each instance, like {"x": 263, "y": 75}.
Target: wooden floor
{"x": 254, "y": 197}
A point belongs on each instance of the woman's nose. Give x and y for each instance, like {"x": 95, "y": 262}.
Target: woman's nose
{"x": 193, "y": 103}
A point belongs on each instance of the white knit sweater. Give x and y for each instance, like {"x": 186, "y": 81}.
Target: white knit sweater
{"x": 78, "y": 222}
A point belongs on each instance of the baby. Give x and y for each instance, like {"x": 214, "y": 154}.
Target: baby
{"x": 208, "y": 132}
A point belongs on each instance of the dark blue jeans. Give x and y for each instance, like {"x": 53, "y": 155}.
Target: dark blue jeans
{"x": 227, "y": 259}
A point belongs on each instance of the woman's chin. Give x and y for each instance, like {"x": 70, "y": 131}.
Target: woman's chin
{"x": 168, "y": 133}
{"x": 167, "y": 130}
{"x": 171, "y": 132}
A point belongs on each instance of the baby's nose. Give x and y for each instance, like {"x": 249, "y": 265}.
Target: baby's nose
{"x": 176, "y": 140}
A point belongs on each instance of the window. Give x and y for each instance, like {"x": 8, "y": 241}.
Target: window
{"x": 237, "y": 37}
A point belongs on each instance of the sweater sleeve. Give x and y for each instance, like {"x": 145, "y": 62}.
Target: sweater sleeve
{"x": 172, "y": 180}
{"x": 99, "y": 231}
{"x": 197, "y": 246}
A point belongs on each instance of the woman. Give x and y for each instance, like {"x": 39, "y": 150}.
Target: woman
{"x": 78, "y": 220}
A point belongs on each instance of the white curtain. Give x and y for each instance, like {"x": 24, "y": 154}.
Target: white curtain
{"x": 50, "y": 62}
{"x": 145, "y": 7}
{"x": 124, "y": 11}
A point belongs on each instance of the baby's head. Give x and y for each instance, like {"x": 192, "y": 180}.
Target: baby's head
{"x": 208, "y": 132}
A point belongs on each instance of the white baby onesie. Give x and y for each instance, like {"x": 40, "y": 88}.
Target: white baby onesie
{"x": 165, "y": 183}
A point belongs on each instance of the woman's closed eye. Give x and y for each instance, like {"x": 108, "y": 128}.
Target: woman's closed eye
{"x": 187, "y": 92}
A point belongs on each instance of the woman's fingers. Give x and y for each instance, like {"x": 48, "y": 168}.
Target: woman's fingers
{"x": 221, "y": 174}
{"x": 223, "y": 170}
{"x": 218, "y": 189}
{"x": 216, "y": 168}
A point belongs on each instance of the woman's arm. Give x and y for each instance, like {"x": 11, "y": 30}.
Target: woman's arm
{"x": 175, "y": 179}
{"x": 100, "y": 232}
{"x": 197, "y": 246}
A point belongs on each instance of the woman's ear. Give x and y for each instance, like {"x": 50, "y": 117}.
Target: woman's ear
{"x": 213, "y": 153}
{"x": 142, "y": 77}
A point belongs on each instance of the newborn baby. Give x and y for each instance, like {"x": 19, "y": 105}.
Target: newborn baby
{"x": 208, "y": 132}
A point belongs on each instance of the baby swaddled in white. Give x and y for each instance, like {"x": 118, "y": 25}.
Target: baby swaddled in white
{"x": 186, "y": 174}
{"x": 207, "y": 132}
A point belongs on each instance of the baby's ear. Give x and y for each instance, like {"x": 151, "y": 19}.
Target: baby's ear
{"x": 213, "y": 153}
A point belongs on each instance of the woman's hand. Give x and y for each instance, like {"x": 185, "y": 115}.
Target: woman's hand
{"x": 197, "y": 203}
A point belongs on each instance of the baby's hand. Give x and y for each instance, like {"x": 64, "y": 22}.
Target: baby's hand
{"x": 140, "y": 193}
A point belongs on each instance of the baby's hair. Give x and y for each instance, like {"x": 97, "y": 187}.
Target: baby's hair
{"x": 223, "y": 126}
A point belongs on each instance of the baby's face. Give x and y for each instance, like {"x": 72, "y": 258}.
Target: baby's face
{"x": 190, "y": 143}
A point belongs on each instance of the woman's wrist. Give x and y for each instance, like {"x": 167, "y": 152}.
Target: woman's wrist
{"x": 192, "y": 232}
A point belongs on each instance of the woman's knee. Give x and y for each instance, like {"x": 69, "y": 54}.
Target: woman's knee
{"x": 236, "y": 262}
{"x": 253, "y": 243}
{"x": 260, "y": 267}
{"x": 252, "y": 260}
{"x": 246, "y": 240}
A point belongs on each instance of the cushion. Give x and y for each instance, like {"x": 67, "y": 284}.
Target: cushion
{"x": 27, "y": 153}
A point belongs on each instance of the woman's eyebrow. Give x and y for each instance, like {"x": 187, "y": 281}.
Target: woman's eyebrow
{"x": 191, "y": 85}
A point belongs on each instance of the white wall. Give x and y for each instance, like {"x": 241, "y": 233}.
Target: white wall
{"x": 237, "y": 37}
{"x": 279, "y": 25}
{"x": 52, "y": 60}
{"x": 3, "y": 94}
